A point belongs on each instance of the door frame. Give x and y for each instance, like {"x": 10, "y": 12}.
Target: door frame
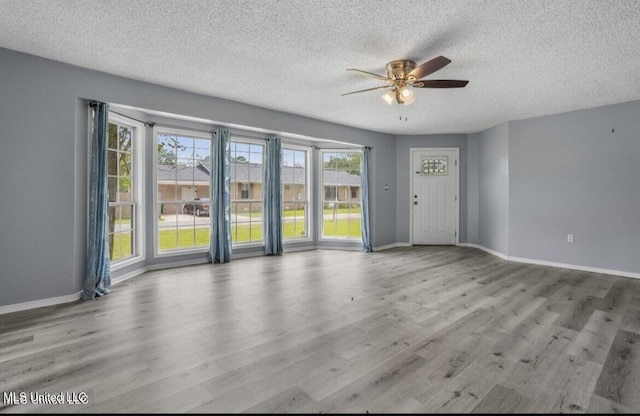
{"x": 412, "y": 150}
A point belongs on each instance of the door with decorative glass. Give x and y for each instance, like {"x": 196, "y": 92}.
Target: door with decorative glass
{"x": 434, "y": 196}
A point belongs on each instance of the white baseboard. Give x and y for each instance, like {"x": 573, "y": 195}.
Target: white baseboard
{"x": 247, "y": 255}
{"x": 295, "y": 249}
{"x": 261, "y": 253}
{"x": 390, "y": 246}
{"x": 17, "y": 307}
{"x": 173, "y": 264}
{"x": 576, "y": 267}
{"x": 385, "y": 247}
{"x": 40, "y": 303}
{"x": 488, "y": 250}
{"x": 555, "y": 264}
{"x": 75, "y": 296}
{"x": 341, "y": 248}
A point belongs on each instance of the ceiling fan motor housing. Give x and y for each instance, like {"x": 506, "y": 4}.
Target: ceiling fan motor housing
{"x": 399, "y": 69}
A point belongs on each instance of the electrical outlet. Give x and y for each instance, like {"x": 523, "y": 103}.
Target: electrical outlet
{"x": 569, "y": 238}
{"x": 386, "y": 187}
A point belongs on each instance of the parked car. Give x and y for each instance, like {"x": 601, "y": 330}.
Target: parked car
{"x": 199, "y": 207}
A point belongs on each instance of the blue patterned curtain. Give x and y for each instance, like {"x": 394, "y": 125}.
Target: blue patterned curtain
{"x": 220, "y": 247}
{"x": 97, "y": 281}
{"x": 364, "y": 183}
{"x": 273, "y": 198}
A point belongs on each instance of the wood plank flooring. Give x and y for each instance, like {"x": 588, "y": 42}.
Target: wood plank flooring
{"x": 421, "y": 329}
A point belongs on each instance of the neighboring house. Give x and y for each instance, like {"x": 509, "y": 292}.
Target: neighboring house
{"x": 340, "y": 185}
{"x": 178, "y": 183}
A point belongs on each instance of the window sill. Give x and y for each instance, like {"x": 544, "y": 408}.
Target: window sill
{"x": 240, "y": 246}
{"x": 296, "y": 240}
{"x": 176, "y": 253}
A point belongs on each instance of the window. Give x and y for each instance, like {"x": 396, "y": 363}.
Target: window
{"x": 434, "y": 165}
{"x": 123, "y": 175}
{"x": 246, "y": 191}
{"x": 244, "y": 194}
{"x": 330, "y": 193}
{"x": 341, "y": 204}
{"x": 183, "y": 190}
{"x": 295, "y": 201}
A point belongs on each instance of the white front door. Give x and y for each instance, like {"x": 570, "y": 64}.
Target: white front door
{"x": 434, "y": 196}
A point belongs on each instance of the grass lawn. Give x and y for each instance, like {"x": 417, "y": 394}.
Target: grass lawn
{"x": 173, "y": 239}
{"x": 342, "y": 228}
{"x": 243, "y": 233}
{"x": 295, "y": 229}
{"x": 352, "y": 210}
{"x": 121, "y": 246}
{"x": 301, "y": 212}
{"x": 293, "y": 213}
{"x": 257, "y": 215}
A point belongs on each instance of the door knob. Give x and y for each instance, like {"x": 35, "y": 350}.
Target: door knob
{"x": 415, "y": 202}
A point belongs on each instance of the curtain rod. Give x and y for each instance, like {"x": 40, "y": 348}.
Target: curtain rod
{"x": 129, "y": 117}
{"x": 173, "y": 126}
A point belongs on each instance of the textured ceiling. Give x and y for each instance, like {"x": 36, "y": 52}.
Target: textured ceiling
{"x": 522, "y": 58}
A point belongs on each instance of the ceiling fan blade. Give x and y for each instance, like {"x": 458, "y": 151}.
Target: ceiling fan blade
{"x": 368, "y": 89}
{"x": 429, "y": 67}
{"x": 371, "y": 75}
{"x": 440, "y": 83}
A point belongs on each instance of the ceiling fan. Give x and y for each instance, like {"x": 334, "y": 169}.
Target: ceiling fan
{"x": 403, "y": 75}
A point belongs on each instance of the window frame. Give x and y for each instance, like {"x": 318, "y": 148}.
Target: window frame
{"x": 308, "y": 194}
{"x": 156, "y": 229}
{"x": 137, "y": 191}
{"x": 321, "y": 196}
{"x": 241, "y": 138}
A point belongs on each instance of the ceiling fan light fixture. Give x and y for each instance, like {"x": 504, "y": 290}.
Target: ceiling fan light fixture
{"x": 389, "y": 97}
{"x": 409, "y": 100}
{"x": 405, "y": 95}
{"x": 406, "y": 92}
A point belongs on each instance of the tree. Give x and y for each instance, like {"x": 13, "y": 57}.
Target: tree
{"x": 239, "y": 159}
{"x": 347, "y": 161}
{"x": 168, "y": 150}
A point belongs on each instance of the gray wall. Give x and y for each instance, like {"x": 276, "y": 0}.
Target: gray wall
{"x": 43, "y": 164}
{"x": 403, "y": 165}
{"x": 491, "y": 188}
{"x": 569, "y": 173}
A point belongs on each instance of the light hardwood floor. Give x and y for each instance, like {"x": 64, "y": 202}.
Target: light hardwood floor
{"x": 424, "y": 329}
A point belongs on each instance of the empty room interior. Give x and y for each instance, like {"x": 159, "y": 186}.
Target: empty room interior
{"x": 328, "y": 206}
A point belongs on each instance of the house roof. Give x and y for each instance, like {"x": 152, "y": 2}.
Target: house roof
{"x": 249, "y": 172}
{"x": 181, "y": 173}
